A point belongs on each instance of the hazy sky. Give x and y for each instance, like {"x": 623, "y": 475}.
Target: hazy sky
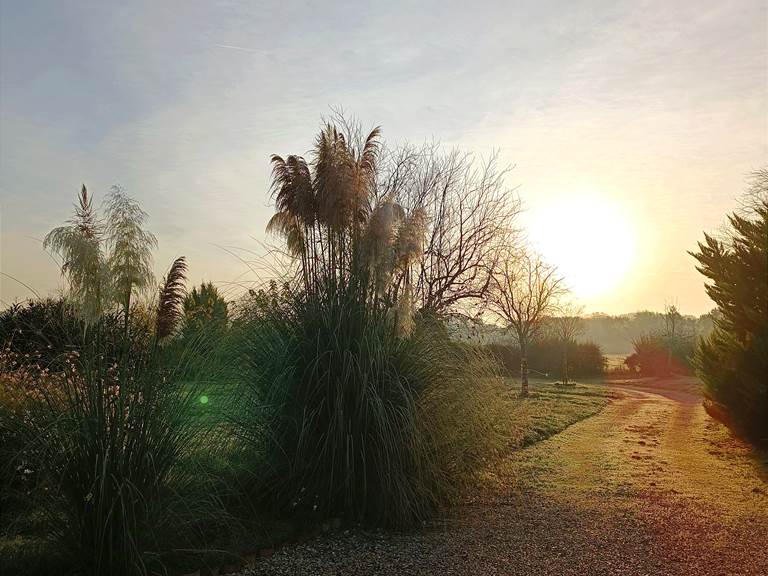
{"x": 659, "y": 108}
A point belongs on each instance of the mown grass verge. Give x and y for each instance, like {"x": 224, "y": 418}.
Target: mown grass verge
{"x": 550, "y": 409}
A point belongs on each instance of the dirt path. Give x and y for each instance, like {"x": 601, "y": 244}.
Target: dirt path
{"x": 649, "y": 486}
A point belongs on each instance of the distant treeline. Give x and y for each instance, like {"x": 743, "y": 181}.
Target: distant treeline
{"x": 616, "y": 334}
{"x": 613, "y": 334}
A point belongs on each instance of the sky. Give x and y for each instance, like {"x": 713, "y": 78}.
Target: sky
{"x": 653, "y": 113}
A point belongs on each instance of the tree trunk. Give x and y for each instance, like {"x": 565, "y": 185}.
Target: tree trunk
{"x": 523, "y": 369}
{"x": 669, "y": 357}
{"x": 565, "y": 363}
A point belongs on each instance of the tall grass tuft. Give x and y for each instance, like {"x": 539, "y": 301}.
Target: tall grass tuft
{"x": 351, "y": 419}
{"x": 107, "y": 435}
{"x": 343, "y": 393}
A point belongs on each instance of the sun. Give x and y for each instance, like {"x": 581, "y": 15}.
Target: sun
{"x": 588, "y": 237}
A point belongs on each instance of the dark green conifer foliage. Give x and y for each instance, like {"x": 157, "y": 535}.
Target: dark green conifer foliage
{"x": 733, "y": 361}
{"x": 204, "y": 308}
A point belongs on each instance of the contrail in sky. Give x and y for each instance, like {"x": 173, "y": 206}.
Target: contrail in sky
{"x": 238, "y": 48}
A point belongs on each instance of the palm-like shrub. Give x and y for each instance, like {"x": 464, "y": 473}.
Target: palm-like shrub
{"x": 733, "y": 361}
{"x": 97, "y": 411}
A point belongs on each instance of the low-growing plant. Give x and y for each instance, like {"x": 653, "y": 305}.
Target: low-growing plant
{"x": 47, "y": 330}
{"x": 658, "y": 355}
{"x": 18, "y": 480}
{"x": 105, "y": 435}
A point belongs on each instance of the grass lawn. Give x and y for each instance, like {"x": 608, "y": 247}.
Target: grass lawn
{"x": 550, "y": 409}
{"x": 547, "y": 410}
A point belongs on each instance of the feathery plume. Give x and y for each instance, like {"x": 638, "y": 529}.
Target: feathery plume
{"x": 170, "y": 300}
{"x": 410, "y": 238}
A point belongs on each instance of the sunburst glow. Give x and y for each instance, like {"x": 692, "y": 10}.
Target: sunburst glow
{"x": 588, "y": 237}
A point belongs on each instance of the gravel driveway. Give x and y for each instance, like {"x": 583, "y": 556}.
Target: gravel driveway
{"x": 649, "y": 486}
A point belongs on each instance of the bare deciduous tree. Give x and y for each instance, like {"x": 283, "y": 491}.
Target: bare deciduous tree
{"x": 674, "y": 331}
{"x": 567, "y": 324}
{"x": 672, "y": 318}
{"x": 524, "y": 290}
{"x": 469, "y": 215}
